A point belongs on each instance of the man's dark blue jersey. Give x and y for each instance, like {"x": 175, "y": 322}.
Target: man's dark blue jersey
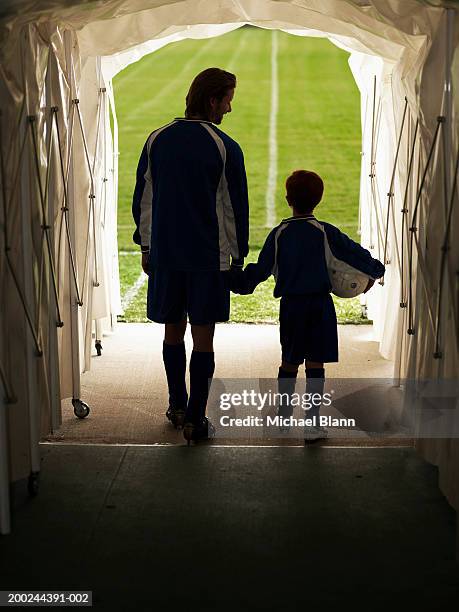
{"x": 190, "y": 203}
{"x": 294, "y": 252}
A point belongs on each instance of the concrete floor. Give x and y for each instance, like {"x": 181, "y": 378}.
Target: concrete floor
{"x": 127, "y": 393}
{"x": 220, "y": 528}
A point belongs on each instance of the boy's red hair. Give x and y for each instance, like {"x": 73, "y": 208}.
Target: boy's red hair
{"x": 304, "y": 190}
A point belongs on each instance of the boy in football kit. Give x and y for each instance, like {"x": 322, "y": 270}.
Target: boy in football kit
{"x": 190, "y": 207}
{"x": 294, "y": 252}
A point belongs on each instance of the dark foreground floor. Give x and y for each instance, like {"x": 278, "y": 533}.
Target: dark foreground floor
{"x": 221, "y": 528}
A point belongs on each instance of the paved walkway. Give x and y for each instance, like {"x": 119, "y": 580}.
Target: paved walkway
{"x": 126, "y": 387}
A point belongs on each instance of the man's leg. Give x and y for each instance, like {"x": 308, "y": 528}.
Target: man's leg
{"x": 202, "y": 366}
{"x": 174, "y": 358}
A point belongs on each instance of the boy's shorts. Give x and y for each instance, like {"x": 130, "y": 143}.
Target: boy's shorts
{"x": 174, "y": 294}
{"x": 308, "y": 328}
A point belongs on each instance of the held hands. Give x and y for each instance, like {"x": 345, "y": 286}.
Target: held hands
{"x": 145, "y": 262}
{"x": 234, "y": 277}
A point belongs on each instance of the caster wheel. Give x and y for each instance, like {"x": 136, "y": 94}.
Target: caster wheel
{"x": 33, "y": 484}
{"x": 80, "y": 409}
{"x": 98, "y": 346}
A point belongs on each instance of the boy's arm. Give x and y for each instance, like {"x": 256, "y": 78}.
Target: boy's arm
{"x": 256, "y": 273}
{"x": 345, "y": 249}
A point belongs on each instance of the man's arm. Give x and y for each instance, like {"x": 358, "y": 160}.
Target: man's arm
{"x": 141, "y": 207}
{"x": 237, "y": 219}
{"x": 345, "y": 249}
{"x": 142, "y": 203}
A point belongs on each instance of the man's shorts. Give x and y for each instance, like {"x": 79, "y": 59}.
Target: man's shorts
{"x": 174, "y": 294}
{"x": 308, "y": 328}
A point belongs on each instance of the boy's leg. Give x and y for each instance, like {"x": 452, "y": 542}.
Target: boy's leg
{"x": 286, "y": 380}
{"x": 292, "y": 352}
{"x": 174, "y": 358}
{"x": 315, "y": 380}
{"x": 202, "y": 366}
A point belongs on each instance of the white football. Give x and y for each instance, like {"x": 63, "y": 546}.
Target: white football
{"x": 346, "y": 281}
{"x": 347, "y": 284}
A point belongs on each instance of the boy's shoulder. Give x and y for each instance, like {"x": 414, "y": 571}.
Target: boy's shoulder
{"x": 303, "y": 221}
{"x": 330, "y": 226}
{"x": 309, "y": 222}
{"x": 290, "y": 222}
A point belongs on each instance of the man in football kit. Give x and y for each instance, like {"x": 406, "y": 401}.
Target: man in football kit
{"x": 190, "y": 207}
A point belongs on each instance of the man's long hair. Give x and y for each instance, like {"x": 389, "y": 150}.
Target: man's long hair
{"x": 210, "y": 83}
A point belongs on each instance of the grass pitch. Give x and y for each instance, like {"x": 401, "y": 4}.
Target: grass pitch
{"x": 318, "y": 128}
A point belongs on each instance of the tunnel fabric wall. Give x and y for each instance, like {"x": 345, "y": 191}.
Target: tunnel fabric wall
{"x": 55, "y": 55}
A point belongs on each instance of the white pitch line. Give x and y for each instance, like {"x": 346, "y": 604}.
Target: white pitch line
{"x": 133, "y": 291}
{"x": 272, "y": 171}
{"x": 237, "y": 53}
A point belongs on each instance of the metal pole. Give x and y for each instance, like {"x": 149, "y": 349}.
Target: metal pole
{"x": 404, "y": 231}
{"x": 114, "y": 179}
{"x": 26, "y": 201}
{"x": 28, "y": 196}
{"x": 53, "y": 352}
{"x": 371, "y": 175}
{"x": 448, "y": 105}
{"x": 390, "y": 194}
{"x": 74, "y": 314}
{"x": 448, "y": 189}
{"x": 413, "y": 228}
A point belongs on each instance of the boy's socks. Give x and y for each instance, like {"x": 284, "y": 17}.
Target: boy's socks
{"x": 202, "y": 366}
{"x": 315, "y": 380}
{"x": 286, "y": 382}
{"x": 174, "y": 358}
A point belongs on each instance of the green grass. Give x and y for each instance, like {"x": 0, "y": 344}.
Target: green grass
{"x": 318, "y": 129}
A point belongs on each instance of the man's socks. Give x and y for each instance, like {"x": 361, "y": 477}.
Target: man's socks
{"x": 174, "y": 358}
{"x": 202, "y": 366}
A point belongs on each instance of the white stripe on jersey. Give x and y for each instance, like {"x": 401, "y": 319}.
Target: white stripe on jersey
{"x": 146, "y": 202}
{"x": 225, "y": 214}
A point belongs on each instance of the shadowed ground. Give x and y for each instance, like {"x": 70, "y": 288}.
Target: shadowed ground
{"x": 221, "y": 528}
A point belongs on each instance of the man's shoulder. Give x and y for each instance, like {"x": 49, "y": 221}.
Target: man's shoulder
{"x": 227, "y": 140}
{"x": 152, "y": 135}
{"x": 180, "y": 124}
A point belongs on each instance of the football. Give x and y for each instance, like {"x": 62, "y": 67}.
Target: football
{"x": 346, "y": 281}
{"x": 347, "y": 284}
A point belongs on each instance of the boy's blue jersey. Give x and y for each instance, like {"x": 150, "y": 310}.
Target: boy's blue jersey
{"x": 190, "y": 202}
{"x": 294, "y": 253}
